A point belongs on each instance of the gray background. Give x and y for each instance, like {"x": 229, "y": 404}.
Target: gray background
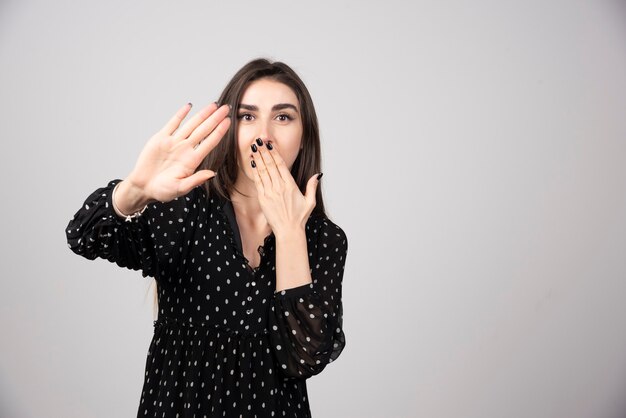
{"x": 474, "y": 153}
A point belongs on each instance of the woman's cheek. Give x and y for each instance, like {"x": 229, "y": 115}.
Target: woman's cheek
{"x": 244, "y": 142}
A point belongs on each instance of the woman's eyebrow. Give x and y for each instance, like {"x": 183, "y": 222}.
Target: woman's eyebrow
{"x": 279, "y": 106}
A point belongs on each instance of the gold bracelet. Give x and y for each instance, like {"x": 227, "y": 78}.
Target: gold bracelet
{"x": 129, "y": 218}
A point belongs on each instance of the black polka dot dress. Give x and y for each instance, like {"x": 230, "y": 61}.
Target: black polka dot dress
{"x": 225, "y": 343}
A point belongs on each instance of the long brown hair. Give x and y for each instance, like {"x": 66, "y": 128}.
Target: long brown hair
{"x": 223, "y": 158}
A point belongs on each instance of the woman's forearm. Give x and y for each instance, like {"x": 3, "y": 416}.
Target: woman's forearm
{"x": 292, "y": 260}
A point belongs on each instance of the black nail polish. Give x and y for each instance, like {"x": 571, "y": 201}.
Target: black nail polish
{"x": 216, "y": 104}
{"x": 319, "y": 176}
{"x": 253, "y": 163}
{"x": 253, "y": 146}
{"x": 269, "y": 146}
{"x": 259, "y": 141}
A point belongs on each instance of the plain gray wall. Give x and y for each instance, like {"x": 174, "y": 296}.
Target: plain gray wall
{"x": 474, "y": 154}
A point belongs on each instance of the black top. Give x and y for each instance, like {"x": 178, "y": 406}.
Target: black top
{"x": 225, "y": 343}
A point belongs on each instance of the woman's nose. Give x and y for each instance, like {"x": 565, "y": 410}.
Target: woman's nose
{"x": 263, "y": 132}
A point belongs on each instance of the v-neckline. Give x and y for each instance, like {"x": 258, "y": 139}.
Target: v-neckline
{"x": 229, "y": 211}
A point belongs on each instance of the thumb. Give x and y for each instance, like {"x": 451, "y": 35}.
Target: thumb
{"x": 311, "y": 187}
{"x": 196, "y": 179}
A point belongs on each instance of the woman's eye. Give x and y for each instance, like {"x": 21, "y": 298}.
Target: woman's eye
{"x": 247, "y": 116}
{"x": 243, "y": 115}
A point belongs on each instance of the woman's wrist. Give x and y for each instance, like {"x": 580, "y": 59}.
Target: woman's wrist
{"x": 128, "y": 199}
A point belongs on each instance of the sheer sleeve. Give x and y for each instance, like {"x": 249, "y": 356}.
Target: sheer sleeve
{"x": 96, "y": 230}
{"x": 306, "y": 322}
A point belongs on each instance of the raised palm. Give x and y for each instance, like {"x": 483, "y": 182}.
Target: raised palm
{"x": 166, "y": 166}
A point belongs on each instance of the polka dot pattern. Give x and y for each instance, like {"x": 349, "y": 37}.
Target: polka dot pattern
{"x": 225, "y": 343}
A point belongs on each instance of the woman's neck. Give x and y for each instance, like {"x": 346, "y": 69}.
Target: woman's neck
{"x": 246, "y": 205}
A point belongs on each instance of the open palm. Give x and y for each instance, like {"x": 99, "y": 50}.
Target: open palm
{"x": 166, "y": 166}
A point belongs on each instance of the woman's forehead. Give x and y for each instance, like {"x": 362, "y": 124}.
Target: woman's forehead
{"x": 266, "y": 93}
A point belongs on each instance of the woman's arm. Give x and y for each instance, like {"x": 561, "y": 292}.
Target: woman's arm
{"x": 165, "y": 173}
{"x": 292, "y": 261}
{"x": 306, "y": 320}
{"x": 97, "y": 230}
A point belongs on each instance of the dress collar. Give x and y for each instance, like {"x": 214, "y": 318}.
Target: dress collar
{"x": 227, "y": 213}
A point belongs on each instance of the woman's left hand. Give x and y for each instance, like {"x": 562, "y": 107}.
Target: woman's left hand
{"x": 284, "y": 206}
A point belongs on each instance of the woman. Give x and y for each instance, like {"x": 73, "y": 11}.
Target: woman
{"x": 248, "y": 266}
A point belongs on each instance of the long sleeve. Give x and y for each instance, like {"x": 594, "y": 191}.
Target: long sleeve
{"x": 306, "y": 322}
{"x": 96, "y": 230}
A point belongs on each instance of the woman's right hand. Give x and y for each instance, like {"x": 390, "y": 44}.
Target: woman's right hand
{"x": 166, "y": 167}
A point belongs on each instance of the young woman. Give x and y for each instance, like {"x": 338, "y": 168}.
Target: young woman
{"x": 227, "y": 216}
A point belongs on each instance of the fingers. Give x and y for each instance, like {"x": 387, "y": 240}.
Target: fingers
{"x": 214, "y": 138}
{"x": 208, "y": 125}
{"x": 265, "y": 165}
{"x": 175, "y": 121}
{"x": 260, "y": 187}
{"x": 276, "y": 167}
{"x": 212, "y": 112}
{"x": 196, "y": 179}
{"x": 281, "y": 165}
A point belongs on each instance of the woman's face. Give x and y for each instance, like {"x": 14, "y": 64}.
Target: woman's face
{"x": 268, "y": 110}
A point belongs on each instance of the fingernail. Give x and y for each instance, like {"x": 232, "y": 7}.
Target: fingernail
{"x": 216, "y": 104}
{"x": 189, "y": 104}
{"x": 259, "y": 141}
{"x": 319, "y": 176}
{"x": 270, "y": 146}
{"x": 230, "y": 107}
{"x": 253, "y": 146}
{"x": 253, "y": 163}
